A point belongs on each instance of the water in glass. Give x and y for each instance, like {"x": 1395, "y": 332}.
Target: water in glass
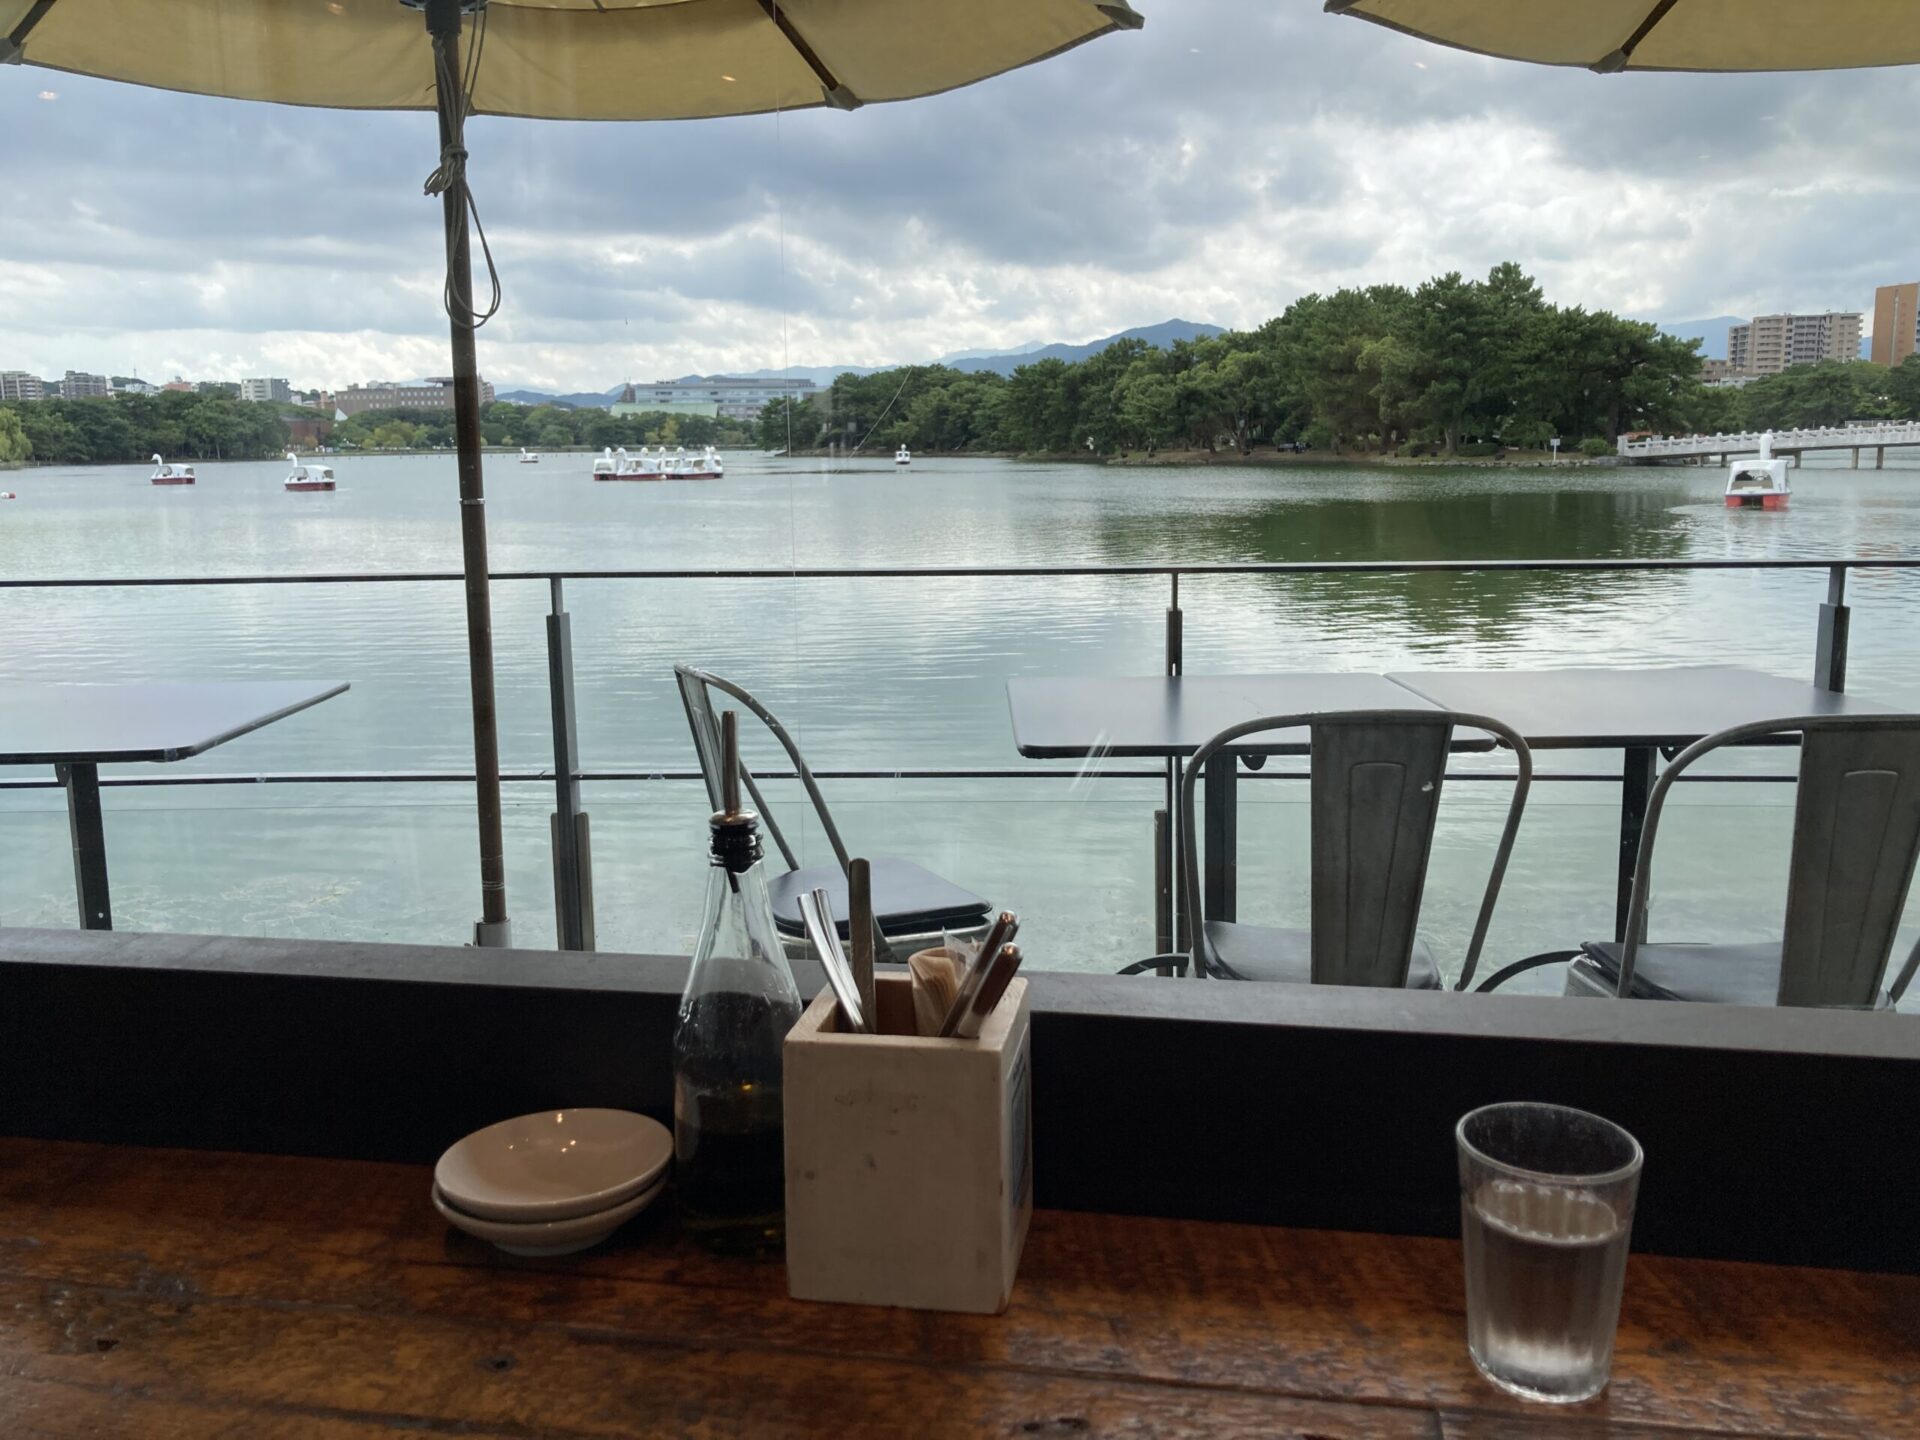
{"x": 1544, "y": 1272}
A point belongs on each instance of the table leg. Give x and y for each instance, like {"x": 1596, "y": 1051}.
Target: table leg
{"x": 1162, "y": 883}
{"x": 1219, "y": 849}
{"x": 82, "y": 784}
{"x": 1636, "y": 787}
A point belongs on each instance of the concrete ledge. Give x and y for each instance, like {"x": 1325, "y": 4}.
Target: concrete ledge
{"x": 1770, "y": 1134}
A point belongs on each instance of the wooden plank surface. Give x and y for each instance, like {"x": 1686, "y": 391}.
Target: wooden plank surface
{"x": 159, "y": 1293}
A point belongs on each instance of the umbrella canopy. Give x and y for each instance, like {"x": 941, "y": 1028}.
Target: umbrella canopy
{"x": 545, "y": 59}
{"x": 562, "y": 59}
{"x": 1613, "y": 35}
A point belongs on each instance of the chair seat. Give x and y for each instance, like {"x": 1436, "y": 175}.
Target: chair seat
{"x": 1254, "y": 952}
{"x": 907, "y": 899}
{"x": 1710, "y": 974}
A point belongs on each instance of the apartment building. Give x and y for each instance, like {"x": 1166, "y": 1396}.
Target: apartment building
{"x": 19, "y": 385}
{"x": 1768, "y": 344}
{"x": 1896, "y": 322}
{"x": 266, "y": 391}
{"x": 80, "y": 385}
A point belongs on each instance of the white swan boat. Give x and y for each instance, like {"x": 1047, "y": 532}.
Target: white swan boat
{"x": 165, "y": 474}
{"x": 526, "y": 459}
{"x": 903, "y": 456}
{"x": 707, "y": 465}
{"x": 619, "y": 465}
{"x": 307, "y": 477}
{"x": 1758, "y": 482}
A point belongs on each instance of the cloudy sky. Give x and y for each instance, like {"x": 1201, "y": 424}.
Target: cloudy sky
{"x": 1230, "y": 157}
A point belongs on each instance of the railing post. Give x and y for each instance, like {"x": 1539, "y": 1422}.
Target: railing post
{"x": 1168, "y": 923}
{"x": 572, "y": 854}
{"x": 1830, "y": 644}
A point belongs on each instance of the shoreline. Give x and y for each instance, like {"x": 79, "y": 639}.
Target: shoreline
{"x": 1512, "y": 459}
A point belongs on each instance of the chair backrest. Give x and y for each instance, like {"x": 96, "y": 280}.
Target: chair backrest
{"x": 696, "y": 687}
{"x": 1856, "y": 837}
{"x": 1374, "y": 796}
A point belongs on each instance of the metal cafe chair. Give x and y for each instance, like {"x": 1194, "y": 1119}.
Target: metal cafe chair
{"x": 1856, "y": 836}
{"x": 911, "y": 904}
{"x": 1375, "y": 779}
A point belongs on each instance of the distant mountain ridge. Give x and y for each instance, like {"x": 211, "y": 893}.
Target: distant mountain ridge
{"x": 1001, "y": 362}
{"x": 1711, "y": 332}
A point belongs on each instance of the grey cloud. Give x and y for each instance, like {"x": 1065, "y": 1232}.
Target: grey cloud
{"x": 1231, "y": 154}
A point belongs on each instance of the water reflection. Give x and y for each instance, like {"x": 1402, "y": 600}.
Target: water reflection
{"x": 869, "y": 674}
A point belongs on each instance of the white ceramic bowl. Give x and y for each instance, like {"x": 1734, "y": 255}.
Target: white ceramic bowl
{"x": 554, "y": 1165}
{"x": 547, "y": 1237}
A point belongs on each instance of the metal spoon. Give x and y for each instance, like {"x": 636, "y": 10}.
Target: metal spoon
{"x": 817, "y": 915}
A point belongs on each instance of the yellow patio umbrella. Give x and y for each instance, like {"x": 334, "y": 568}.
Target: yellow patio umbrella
{"x": 1614, "y": 35}
{"x": 545, "y": 59}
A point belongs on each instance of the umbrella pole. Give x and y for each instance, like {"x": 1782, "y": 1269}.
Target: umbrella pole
{"x": 493, "y": 929}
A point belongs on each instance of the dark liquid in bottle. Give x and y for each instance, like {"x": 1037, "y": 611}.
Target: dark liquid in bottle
{"x": 728, "y": 1126}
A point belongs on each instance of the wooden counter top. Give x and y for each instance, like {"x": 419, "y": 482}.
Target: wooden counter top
{"x": 169, "y": 1294}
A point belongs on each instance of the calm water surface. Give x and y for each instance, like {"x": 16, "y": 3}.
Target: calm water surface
{"x": 889, "y": 674}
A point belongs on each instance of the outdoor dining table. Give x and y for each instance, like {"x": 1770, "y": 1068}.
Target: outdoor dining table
{"x": 1640, "y": 711}
{"x": 1170, "y": 717}
{"x": 77, "y": 728}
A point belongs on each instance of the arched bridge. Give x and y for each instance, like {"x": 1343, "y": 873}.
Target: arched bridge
{"x": 1879, "y": 438}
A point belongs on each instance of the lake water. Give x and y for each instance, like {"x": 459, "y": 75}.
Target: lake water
{"x": 885, "y": 674}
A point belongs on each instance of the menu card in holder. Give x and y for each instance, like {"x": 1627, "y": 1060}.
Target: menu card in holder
{"x": 909, "y": 1159}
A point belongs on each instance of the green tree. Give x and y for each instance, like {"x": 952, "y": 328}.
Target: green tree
{"x": 1903, "y": 389}
{"x": 14, "y": 445}
{"x": 397, "y": 435}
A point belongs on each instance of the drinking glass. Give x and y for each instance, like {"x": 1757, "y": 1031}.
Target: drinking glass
{"x": 1546, "y": 1207}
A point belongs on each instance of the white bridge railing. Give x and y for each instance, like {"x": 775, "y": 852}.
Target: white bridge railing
{"x": 1785, "y": 442}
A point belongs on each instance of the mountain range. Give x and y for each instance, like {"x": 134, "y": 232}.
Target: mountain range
{"x": 1001, "y": 362}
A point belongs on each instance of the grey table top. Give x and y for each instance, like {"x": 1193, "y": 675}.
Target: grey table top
{"x": 1606, "y": 708}
{"x": 47, "y": 724}
{"x": 1064, "y": 717}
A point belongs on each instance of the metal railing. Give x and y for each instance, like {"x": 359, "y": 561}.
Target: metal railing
{"x": 1785, "y": 442}
{"x": 572, "y": 866}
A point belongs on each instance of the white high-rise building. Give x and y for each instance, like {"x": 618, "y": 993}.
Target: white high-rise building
{"x": 19, "y": 385}
{"x": 266, "y": 391}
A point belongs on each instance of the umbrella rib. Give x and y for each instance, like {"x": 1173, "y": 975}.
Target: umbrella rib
{"x": 14, "y": 44}
{"x": 1616, "y": 62}
{"x": 838, "y": 95}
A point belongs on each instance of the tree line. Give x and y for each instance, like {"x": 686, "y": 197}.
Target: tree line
{"x": 124, "y": 428}
{"x": 1454, "y": 366}
{"x": 537, "y": 427}
{"x": 216, "y": 425}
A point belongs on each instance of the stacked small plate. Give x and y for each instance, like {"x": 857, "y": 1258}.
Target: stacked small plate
{"x": 555, "y": 1182}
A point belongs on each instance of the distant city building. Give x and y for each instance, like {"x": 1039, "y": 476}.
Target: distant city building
{"x": 79, "y": 385}
{"x": 266, "y": 392}
{"x": 1768, "y": 344}
{"x": 1713, "y": 371}
{"x": 1896, "y": 322}
{"x": 178, "y": 384}
{"x": 19, "y": 385}
{"x": 309, "y": 434}
{"x": 735, "y": 399}
{"x": 631, "y": 403}
{"x": 431, "y": 394}
{"x": 134, "y": 385}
